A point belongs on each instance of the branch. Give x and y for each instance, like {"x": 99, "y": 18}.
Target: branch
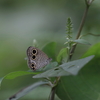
{"x": 81, "y": 27}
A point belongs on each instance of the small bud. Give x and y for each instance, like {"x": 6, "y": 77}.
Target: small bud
{"x": 34, "y": 43}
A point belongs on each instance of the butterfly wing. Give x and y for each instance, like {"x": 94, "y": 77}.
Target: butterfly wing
{"x": 36, "y": 58}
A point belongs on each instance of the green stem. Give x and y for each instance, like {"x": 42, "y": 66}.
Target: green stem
{"x": 53, "y": 90}
{"x": 80, "y": 29}
{"x": 73, "y": 48}
{"x": 52, "y": 94}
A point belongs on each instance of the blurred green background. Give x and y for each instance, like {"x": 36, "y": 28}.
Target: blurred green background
{"x": 21, "y": 21}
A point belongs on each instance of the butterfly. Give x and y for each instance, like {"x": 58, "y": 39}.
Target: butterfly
{"x": 36, "y": 58}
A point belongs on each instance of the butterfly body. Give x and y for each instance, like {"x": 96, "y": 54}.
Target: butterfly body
{"x": 36, "y": 58}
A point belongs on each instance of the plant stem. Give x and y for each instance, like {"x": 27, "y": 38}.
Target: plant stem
{"x": 79, "y": 32}
{"x": 53, "y": 90}
{"x": 52, "y": 95}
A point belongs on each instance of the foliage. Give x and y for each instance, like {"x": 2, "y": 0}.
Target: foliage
{"x": 63, "y": 75}
{"x": 86, "y": 85}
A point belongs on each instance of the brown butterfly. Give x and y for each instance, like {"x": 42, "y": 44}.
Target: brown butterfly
{"x": 36, "y": 58}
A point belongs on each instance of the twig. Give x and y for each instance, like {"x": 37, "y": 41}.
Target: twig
{"x": 80, "y": 29}
{"x": 91, "y": 34}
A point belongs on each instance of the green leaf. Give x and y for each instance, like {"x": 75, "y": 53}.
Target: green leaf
{"x": 13, "y": 75}
{"x": 50, "y": 65}
{"x": 86, "y": 85}
{"x": 55, "y": 72}
{"x": 1, "y": 78}
{"x": 82, "y": 41}
{"x": 62, "y": 56}
{"x": 73, "y": 67}
{"x": 50, "y": 50}
{"x": 26, "y": 90}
